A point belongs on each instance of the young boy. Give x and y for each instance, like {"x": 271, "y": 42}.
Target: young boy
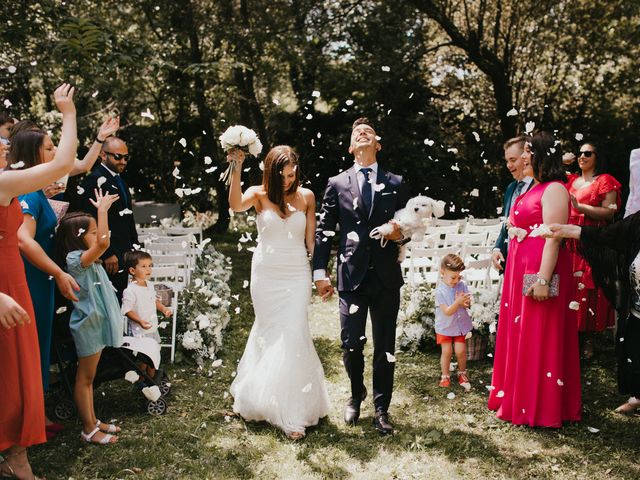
{"x": 139, "y": 300}
{"x": 452, "y": 319}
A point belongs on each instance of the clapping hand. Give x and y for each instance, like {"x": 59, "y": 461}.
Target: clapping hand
{"x": 109, "y": 127}
{"x": 463, "y": 299}
{"x": 63, "y": 96}
{"x": 146, "y": 325}
{"x": 11, "y": 313}
{"x": 103, "y": 201}
{"x": 167, "y": 312}
{"x": 54, "y": 189}
{"x": 574, "y": 202}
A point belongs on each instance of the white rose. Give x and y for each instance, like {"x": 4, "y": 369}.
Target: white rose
{"x": 231, "y": 137}
{"x": 247, "y": 137}
{"x": 255, "y": 148}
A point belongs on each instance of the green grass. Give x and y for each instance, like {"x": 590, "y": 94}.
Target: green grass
{"x": 435, "y": 437}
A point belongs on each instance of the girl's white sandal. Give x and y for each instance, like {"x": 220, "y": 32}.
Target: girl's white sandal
{"x": 87, "y": 437}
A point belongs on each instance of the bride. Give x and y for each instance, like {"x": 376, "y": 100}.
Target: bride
{"x": 280, "y": 378}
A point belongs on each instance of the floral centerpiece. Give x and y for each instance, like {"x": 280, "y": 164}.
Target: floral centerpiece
{"x": 238, "y": 136}
{"x": 204, "y": 310}
{"x": 416, "y": 321}
{"x": 484, "y": 318}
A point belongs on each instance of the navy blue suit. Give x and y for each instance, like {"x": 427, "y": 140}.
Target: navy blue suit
{"x": 369, "y": 276}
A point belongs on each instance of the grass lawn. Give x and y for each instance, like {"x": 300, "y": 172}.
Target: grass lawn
{"x": 436, "y": 437}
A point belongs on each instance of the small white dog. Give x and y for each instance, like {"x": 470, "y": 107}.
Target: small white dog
{"x": 411, "y": 220}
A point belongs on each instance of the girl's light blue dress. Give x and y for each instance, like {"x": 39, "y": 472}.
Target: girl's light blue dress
{"x": 96, "y": 321}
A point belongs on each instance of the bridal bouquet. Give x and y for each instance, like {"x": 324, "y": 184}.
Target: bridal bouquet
{"x": 238, "y": 136}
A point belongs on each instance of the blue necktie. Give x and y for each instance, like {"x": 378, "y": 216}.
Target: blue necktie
{"x": 366, "y": 190}
{"x": 123, "y": 190}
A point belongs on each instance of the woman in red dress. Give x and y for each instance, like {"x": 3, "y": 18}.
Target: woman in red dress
{"x": 536, "y": 370}
{"x": 595, "y": 197}
{"x": 22, "y": 401}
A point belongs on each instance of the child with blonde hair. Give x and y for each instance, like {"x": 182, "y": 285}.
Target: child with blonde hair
{"x": 453, "y": 322}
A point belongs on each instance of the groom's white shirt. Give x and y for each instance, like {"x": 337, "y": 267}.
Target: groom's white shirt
{"x": 321, "y": 274}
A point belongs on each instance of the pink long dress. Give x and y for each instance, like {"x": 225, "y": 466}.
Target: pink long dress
{"x": 536, "y": 370}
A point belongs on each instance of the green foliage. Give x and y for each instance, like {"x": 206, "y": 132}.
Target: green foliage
{"x": 436, "y": 76}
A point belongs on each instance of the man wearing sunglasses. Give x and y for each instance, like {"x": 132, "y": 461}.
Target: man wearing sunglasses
{"x": 114, "y": 157}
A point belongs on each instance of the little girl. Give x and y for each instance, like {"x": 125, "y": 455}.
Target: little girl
{"x": 96, "y": 321}
{"x": 452, "y": 319}
{"x": 140, "y": 302}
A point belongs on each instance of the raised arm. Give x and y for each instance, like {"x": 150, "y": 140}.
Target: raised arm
{"x": 102, "y": 204}
{"x": 238, "y": 201}
{"x": 109, "y": 127}
{"x": 19, "y": 182}
{"x": 600, "y": 212}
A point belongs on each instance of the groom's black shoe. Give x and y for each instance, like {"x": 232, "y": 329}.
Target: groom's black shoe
{"x": 352, "y": 408}
{"x": 381, "y": 423}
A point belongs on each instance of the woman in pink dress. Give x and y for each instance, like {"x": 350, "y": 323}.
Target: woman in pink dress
{"x": 595, "y": 197}
{"x": 536, "y": 372}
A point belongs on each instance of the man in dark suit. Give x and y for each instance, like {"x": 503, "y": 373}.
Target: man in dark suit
{"x": 513, "y": 149}
{"x": 114, "y": 157}
{"x": 369, "y": 277}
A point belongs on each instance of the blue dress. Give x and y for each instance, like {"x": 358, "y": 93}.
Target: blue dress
{"x": 96, "y": 321}
{"x": 41, "y": 286}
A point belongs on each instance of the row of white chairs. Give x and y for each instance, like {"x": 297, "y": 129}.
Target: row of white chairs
{"x": 174, "y": 251}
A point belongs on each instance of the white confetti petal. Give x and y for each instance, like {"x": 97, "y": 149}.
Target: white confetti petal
{"x": 579, "y": 136}
{"x": 451, "y": 395}
{"x": 353, "y": 236}
{"x": 529, "y": 126}
{"x": 560, "y": 383}
{"x": 574, "y": 305}
{"x": 61, "y": 310}
{"x": 512, "y": 113}
{"x": 353, "y": 309}
{"x": 500, "y": 394}
{"x": 385, "y": 68}
{"x": 593, "y": 429}
{"x": 306, "y": 388}
{"x": 101, "y": 181}
{"x": 183, "y": 142}
{"x": 390, "y": 358}
{"x": 131, "y": 376}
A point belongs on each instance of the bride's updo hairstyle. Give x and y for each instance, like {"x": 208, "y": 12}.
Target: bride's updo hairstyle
{"x": 272, "y": 179}
{"x": 546, "y": 160}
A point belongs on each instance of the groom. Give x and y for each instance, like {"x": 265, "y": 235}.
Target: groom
{"x": 369, "y": 277}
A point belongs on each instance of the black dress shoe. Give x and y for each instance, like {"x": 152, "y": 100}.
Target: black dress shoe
{"x": 352, "y": 409}
{"x": 381, "y": 423}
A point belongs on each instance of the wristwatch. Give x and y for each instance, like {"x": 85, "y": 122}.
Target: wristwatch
{"x": 542, "y": 281}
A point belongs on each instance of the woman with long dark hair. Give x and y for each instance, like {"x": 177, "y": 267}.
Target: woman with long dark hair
{"x": 280, "y": 378}
{"x": 595, "y": 197}
{"x": 536, "y": 371}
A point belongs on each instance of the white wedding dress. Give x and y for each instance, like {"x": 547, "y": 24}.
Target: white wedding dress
{"x": 280, "y": 378}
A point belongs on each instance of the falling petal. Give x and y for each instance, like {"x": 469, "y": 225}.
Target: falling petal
{"x": 353, "y": 309}
{"x": 390, "y": 358}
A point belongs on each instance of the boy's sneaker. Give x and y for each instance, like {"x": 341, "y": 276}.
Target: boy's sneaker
{"x": 445, "y": 381}
{"x": 463, "y": 380}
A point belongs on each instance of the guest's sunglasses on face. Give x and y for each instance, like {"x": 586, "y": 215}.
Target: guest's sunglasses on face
{"x": 118, "y": 156}
{"x": 586, "y": 153}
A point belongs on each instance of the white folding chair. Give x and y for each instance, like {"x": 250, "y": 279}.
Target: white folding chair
{"x": 475, "y": 252}
{"x": 145, "y": 231}
{"x": 423, "y": 266}
{"x": 484, "y": 221}
{"x": 460, "y": 222}
{"x": 464, "y": 239}
{"x": 471, "y": 228}
{"x": 180, "y": 231}
{"x": 180, "y": 260}
{"x": 434, "y": 236}
{"x": 169, "y": 276}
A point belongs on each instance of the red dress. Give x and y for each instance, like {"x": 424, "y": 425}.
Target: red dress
{"x": 595, "y": 312}
{"x": 536, "y": 369}
{"x": 21, "y": 397}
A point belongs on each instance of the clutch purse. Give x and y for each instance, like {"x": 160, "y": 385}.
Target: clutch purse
{"x": 59, "y": 208}
{"x": 529, "y": 279}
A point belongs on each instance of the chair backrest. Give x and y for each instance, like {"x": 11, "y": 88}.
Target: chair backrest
{"x": 478, "y": 273}
{"x": 484, "y": 221}
{"x": 172, "y": 239}
{"x": 440, "y": 222}
{"x": 197, "y": 231}
{"x": 424, "y": 264}
{"x": 150, "y": 231}
{"x": 165, "y": 273}
{"x": 464, "y": 239}
{"x": 476, "y": 252}
{"x": 434, "y": 237}
{"x": 471, "y": 228}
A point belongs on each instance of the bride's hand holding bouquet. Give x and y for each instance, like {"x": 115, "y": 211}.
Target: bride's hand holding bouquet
{"x": 237, "y": 141}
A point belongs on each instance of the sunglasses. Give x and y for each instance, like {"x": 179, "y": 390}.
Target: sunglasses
{"x": 587, "y": 154}
{"x": 118, "y": 156}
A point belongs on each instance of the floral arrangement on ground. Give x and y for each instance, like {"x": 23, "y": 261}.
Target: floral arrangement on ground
{"x": 203, "y": 313}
